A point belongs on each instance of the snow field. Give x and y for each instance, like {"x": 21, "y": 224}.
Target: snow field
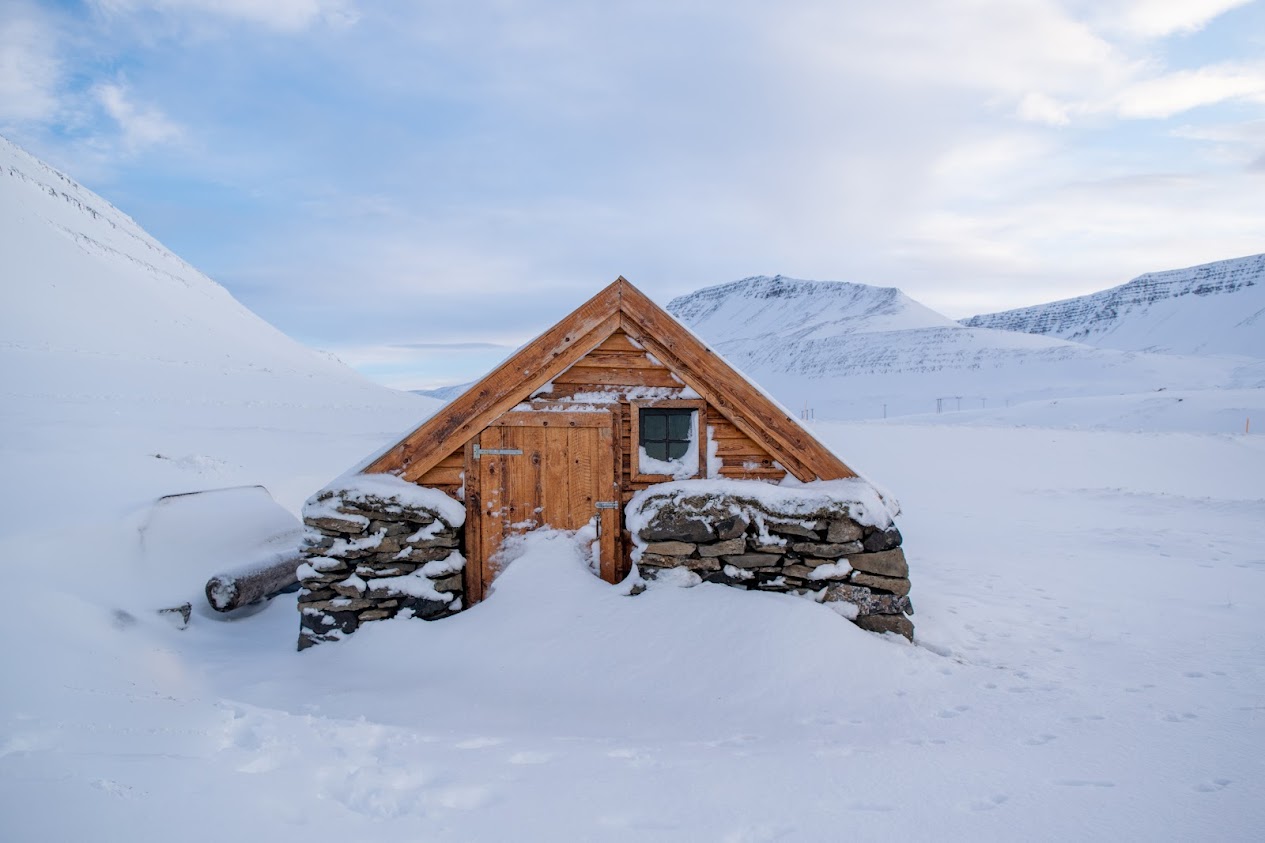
{"x": 1089, "y": 607}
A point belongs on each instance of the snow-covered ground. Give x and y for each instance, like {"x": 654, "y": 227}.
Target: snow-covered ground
{"x": 1090, "y": 607}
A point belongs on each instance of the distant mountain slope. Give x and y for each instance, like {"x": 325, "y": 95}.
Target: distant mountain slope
{"x": 763, "y": 305}
{"x": 1214, "y": 308}
{"x": 852, "y": 351}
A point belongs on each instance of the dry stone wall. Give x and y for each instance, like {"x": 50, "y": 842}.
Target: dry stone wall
{"x": 830, "y": 550}
{"x": 377, "y": 554}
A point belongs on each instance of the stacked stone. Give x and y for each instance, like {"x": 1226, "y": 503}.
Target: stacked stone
{"x": 372, "y": 559}
{"x": 824, "y": 554}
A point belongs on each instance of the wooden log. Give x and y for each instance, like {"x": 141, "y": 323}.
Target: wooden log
{"x": 234, "y": 589}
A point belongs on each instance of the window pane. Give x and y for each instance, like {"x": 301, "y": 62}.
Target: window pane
{"x": 676, "y": 450}
{"x": 657, "y": 450}
{"x": 679, "y": 426}
{"x": 653, "y": 426}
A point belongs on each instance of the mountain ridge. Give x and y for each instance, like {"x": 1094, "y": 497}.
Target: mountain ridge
{"x": 1212, "y": 308}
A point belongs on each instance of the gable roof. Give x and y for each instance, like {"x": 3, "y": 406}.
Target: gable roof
{"x": 618, "y": 306}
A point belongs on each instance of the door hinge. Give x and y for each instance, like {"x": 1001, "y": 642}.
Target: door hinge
{"x": 607, "y": 505}
{"x": 497, "y": 452}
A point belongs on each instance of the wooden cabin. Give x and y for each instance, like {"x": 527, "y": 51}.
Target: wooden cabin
{"x": 573, "y": 424}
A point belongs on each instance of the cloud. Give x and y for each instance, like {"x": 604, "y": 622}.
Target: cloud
{"x": 29, "y": 71}
{"x": 282, "y": 15}
{"x": 1160, "y": 18}
{"x": 1173, "y": 93}
{"x": 141, "y": 126}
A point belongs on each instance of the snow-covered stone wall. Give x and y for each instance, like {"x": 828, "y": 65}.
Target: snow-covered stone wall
{"x": 834, "y": 543}
{"x": 378, "y": 547}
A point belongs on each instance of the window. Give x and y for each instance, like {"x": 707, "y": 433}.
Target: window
{"x": 666, "y": 432}
{"x": 666, "y": 440}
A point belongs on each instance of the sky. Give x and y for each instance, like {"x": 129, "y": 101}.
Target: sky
{"x": 420, "y": 187}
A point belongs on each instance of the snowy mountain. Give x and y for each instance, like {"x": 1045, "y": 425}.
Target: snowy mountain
{"x": 129, "y": 375}
{"x": 854, "y": 351}
{"x": 788, "y": 308}
{"x": 1214, "y": 308}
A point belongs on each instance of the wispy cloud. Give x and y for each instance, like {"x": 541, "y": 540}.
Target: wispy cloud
{"x": 1159, "y": 18}
{"x": 140, "y": 126}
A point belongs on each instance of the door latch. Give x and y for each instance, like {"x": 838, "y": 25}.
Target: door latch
{"x": 497, "y": 452}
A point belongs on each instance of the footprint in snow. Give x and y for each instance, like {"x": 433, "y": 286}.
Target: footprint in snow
{"x": 991, "y": 803}
{"x": 1212, "y": 786}
{"x": 1040, "y": 740}
{"x": 479, "y": 743}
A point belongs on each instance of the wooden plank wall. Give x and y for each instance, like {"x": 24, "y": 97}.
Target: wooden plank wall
{"x": 611, "y": 370}
{"x": 446, "y": 476}
{"x": 617, "y": 366}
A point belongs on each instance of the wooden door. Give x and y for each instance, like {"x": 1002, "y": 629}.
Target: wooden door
{"x": 540, "y": 469}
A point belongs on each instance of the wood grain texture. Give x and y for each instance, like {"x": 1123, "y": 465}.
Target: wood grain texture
{"x": 566, "y": 465}
{"x": 509, "y": 383}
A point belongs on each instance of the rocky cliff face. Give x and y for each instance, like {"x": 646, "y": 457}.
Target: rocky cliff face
{"x": 1214, "y": 308}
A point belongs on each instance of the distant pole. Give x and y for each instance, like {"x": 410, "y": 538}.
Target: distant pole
{"x": 959, "y": 400}
{"x": 884, "y": 411}
{"x": 1247, "y": 425}
{"x": 983, "y": 402}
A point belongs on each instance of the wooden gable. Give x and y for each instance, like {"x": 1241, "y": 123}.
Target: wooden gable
{"x": 616, "y": 342}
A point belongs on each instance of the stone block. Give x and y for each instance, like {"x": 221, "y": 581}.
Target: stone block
{"x": 670, "y": 525}
{"x": 731, "y": 527}
{"x": 883, "y": 540}
{"x": 721, "y": 578}
{"x": 449, "y": 541}
{"x": 391, "y": 528}
{"x": 735, "y": 546}
{"x": 655, "y": 560}
{"x": 707, "y": 563}
{"x": 348, "y": 589}
{"x": 867, "y": 601}
{"x": 338, "y": 605}
{"x": 896, "y": 585}
{"x": 419, "y": 555}
{"x": 670, "y": 548}
{"x": 449, "y": 583}
{"x": 748, "y": 560}
{"x": 377, "y": 615}
{"x": 887, "y": 563}
{"x": 844, "y": 530}
{"x": 801, "y": 571}
{"x": 423, "y": 608}
{"x": 826, "y": 551}
{"x": 788, "y": 528}
{"x": 898, "y": 624}
{"x": 331, "y": 524}
{"x": 754, "y": 544}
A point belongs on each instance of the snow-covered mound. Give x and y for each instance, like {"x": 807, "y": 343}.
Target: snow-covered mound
{"x": 851, "y": 351}
{"x": 1214, "y": 308}
{"x": 129, "y": 375}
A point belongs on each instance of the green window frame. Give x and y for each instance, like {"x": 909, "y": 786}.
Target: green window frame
{"x": 666, "y": 433}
